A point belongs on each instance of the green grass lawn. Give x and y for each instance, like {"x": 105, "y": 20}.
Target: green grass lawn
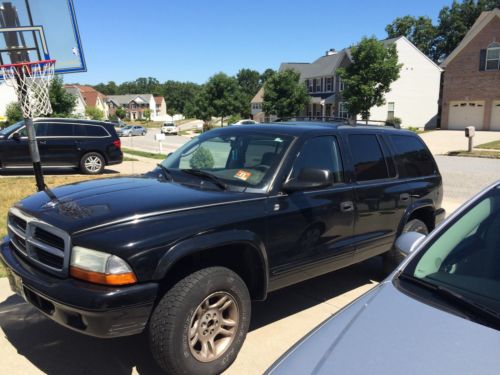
{"x": 144, "y": 154}
{"x": 495, "y": 145}
{"x": 476, "y": 154}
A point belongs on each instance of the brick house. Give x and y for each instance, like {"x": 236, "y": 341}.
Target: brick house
{"x": 471, "y": 84}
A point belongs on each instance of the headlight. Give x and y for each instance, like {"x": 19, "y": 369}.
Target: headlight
{"x": 100, "y": 268}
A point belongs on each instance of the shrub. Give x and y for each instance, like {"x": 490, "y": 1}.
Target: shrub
{"x": 202, "y": 159}
{"x": 13, "y": 113}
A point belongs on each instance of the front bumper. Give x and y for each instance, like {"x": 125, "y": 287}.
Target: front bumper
{"x": 94, "y": 310}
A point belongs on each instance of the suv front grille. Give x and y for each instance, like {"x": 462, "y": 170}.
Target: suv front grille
{"x": 39, "y": 243}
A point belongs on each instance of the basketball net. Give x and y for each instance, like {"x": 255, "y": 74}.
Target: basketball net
{"x": 31, "y": 81}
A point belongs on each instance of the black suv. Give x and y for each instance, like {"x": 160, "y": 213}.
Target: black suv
{"x": 87, "y": 145}
{"x": 230, "y": 216}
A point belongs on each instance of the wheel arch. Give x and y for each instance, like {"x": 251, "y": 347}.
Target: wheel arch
{"x": 239, "y": 250}
{"x": 424, "y": 211}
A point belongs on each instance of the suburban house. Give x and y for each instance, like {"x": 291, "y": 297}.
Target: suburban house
{"x": 471, "y": 84}
{"x": 7, "y": 96}
{"x": 413, "y": 97}
{"x": 160, "y": 113}
{"x": 133, "y": 104}
{"x": 92, "y": 98}
{"x": 79, "y": 110}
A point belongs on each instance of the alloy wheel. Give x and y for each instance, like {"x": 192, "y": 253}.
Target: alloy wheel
{"x": 213, "y": 326}
{"x": 93, "y": 163}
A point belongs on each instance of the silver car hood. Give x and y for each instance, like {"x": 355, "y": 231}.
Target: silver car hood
{"x": 387, "y": 332}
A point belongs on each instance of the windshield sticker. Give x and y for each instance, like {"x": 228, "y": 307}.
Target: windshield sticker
{"x": 242, "y": 175}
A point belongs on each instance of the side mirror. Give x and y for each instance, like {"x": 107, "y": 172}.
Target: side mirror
{"x": 16, "y": 136}
{"x": 408, "y": 242}
{"x": 309, "y": 178}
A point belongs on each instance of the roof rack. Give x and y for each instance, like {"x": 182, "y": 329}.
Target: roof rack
{"x": 334, "y": 120}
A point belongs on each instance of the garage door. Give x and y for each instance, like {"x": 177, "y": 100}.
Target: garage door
{"x": 495, "y": 115}
{"x": 463, "y": 114}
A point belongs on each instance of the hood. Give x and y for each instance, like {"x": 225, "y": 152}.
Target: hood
{"x": 91, "y": 203}
{"x": 387, "y": 332}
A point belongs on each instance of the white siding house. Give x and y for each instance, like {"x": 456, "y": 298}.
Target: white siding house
{"x": 414, "y": 96}
{"x": 7, "y": 96}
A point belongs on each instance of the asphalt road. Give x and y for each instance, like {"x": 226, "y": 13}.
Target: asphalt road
{"x": 464, "y": 177}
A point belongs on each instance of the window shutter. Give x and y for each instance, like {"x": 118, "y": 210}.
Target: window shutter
{"x": 482, "y": 60}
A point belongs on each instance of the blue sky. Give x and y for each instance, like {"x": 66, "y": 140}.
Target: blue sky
{"x": 192, "y": 40}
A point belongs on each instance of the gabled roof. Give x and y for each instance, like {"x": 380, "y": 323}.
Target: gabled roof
{"x": 324, "y": 66}
{"x": 259, "y": 97}
{"x": 159, "y": 100}
{"x": 89, "y": 94}
{"x": 483, "y": 20}
{"x": 75, "y": 92}
{"x": 126, "y": 99}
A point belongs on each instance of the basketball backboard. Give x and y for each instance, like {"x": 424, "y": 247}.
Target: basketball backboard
{"x": 34, "y": 30}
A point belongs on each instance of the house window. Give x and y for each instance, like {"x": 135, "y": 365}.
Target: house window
{"x": 390, "y": 110}
{"x": 314, "y": 85}
{"x": 341, "y": 84}
{"x": 343, "y": 110}
{"x": 329, "y": 84}
{"x": 493, "y": 57}
{"x": 318, "y": 85}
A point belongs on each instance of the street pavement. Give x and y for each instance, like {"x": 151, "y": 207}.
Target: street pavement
{"x": 32, "y": 344}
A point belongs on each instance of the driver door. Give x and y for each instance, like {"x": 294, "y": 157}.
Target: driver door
{"x": 311, "y": 232}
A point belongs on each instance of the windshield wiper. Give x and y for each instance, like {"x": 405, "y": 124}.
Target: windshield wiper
{"x": 475, "y": 307}
{"x": 200, "y": 173}
{"x": 166, "y": 172}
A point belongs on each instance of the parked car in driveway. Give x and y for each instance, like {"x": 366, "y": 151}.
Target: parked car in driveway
{"x": 131, "y": 130}
{"x": 245, "y": 122}
{"x": 85, "y": 144}
{"x": 232, "y": 215}
{"x": 169, "y": 128}
{"x": 438, "y": 313}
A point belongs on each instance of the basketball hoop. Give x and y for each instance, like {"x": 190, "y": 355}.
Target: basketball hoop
{"x": 31, "y": 81}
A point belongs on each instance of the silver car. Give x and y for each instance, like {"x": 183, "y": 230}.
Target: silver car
{"x": 129, "y": 131}
{"x": 438, "y": 313}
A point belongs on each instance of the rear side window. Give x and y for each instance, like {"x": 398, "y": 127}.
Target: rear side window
{"x": 369, "y": 161}
{"x": 59, "y": 130}
{"x": 96, "y": 131}
{"x": 412, "y": 157}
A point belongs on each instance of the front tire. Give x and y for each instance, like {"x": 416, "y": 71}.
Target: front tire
{"x": 393, "y": 257}
{"x": 200, "y": 324}
{"x": 92, "y": 163}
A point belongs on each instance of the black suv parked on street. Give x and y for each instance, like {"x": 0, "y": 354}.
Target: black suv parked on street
{"x": 87, "y": 145}
{"x": 230, "y": 216}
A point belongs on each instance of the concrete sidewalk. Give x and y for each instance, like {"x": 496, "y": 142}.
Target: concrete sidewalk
{"x": 440, "y": 142}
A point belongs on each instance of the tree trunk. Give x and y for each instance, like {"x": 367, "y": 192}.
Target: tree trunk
{"x": 222, "y": 121}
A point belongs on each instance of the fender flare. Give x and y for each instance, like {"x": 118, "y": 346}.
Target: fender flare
{"x": 427, "y": 203}
{"x": 207, "y": 241}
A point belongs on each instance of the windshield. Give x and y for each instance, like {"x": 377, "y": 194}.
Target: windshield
{"x": 235, "y": 158}
{"x": 466, "y": 256}
{"x": 127, "y": 128}
{"x": 11, "y": 128}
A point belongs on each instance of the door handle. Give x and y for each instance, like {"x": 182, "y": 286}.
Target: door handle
{"x": 42, "y": 142}
{"x": 347, "y": 206}
{"x": 404, "y": 197}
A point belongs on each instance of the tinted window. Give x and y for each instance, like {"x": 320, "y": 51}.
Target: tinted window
{"x": 368, "y": 159}
{"x": 59, "y": 130}
{"x": 413, "y": 159}
{"x": 80, "y": 130}
{"x": 96, "y": 131}
{"x": 40, "y": 130}
{"x": 320, "y": 152}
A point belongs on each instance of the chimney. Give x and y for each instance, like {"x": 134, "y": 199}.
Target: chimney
{"x": 330, "y": 52}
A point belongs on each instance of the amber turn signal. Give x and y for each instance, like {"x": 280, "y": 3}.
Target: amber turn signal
{"x": 102, "y": 278}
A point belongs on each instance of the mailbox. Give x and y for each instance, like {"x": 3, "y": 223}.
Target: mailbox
{"x": 159, "y": 137}
{"x": 470, "y": 131}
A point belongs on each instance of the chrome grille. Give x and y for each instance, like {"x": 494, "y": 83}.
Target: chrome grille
{"x": 39, "y": 243}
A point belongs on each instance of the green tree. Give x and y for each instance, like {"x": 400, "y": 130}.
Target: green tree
{"x": 420, "y": 31}
{"x": 268, "y": 73}
{"x": 120, "y": 113}
{"x": 179, "y": 94}
{"x": 200, "y": 108}
{"x": 13, "y": 113}
{"x": 223, "y": 95}
{"x": 284, "y": 95}
{"x": 94, "y": 113}
{"x": 171, "y": 112}
{"x": 62, "y": 102}
{"x": 147, "y": 114}
{"x": 249, "y": 82}
{"x": 202, "y": 159}
{"x": 373, "y": 69}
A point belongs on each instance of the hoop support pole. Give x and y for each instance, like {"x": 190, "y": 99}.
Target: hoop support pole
{"x": 35, "y": 154}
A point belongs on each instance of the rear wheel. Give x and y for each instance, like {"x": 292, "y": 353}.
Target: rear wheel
{"x": 92, "y": 163}
{"x": 200, "y": 324}
{"x": 393, "y": 257}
